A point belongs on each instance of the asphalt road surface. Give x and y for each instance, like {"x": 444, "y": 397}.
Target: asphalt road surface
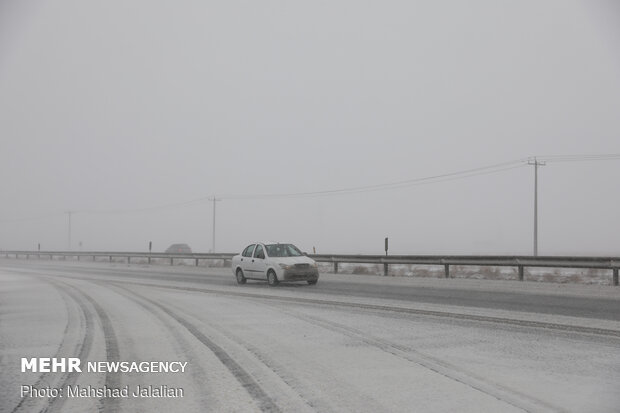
{"x": 349, "y": 343}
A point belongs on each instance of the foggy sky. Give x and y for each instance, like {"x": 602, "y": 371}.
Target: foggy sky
{"x": 112, "y": 106}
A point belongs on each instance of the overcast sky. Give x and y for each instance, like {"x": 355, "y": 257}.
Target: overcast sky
{"x": 109, "y": 108}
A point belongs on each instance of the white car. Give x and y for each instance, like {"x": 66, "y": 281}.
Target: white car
{"x": 274, "y": 262}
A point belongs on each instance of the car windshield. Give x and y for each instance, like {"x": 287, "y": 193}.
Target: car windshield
{"x": 283, "y": 250}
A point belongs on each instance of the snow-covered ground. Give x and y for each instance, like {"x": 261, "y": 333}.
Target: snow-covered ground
{"x": 253, "y": 348}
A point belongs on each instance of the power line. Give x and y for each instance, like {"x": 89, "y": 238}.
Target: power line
{"x": 32, "y": 219}
{"x": 108, "y": 211}
{"x": 485, "y": 170}
{"x": 146, "y": 209}
{"x": 462, "y": 174}
{"x": 577, "y": 158}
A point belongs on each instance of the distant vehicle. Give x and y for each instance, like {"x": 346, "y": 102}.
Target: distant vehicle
{"x": 275, "y": 263}
{"x": 179, "y": 249}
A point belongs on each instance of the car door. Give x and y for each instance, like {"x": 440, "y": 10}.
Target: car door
{"x": 246, "y": 260}
{"x": 259, "y": 263}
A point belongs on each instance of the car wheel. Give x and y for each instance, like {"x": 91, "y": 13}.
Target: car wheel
{"x": 272, "y": 278}
{"x": 240, "y": 278}
{"x": 312, "y": 282}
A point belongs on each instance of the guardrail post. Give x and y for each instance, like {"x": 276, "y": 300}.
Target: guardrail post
{"x": 110, "y": 258}
{"x": 520, "y": 272}
{"x": 196, "y": 262}
{"x": 149, "y": 260}
{"x": 171, "y": 261}
{"x": 128, "y": 260}
{"x": 335, "y": 268}
{"x": 447, "y": 270}
{"x": 78, "y": 257}
{"x": 385, "y": 269}
{"x": 615, "y": 277}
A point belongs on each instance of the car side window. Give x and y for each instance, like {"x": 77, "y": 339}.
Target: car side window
{"x": 259, "y": 253}
{"x": 247, "y": 252}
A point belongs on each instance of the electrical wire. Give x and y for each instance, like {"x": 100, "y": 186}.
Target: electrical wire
{"x": 578, "y": 158}
{"x": 31, "y": 219}
{"x": 486, "y": 170}
{"x": 147, "y": 209}
{"x": 463, "y": 174}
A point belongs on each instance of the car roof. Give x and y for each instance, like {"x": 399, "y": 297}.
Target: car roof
{"x": 272, "y": 242}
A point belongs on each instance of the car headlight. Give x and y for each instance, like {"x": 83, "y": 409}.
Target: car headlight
{"x": 315, "y": 265}
{"x": 286, "y": 266}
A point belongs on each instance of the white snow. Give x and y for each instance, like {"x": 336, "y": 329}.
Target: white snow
{"x": 302, "y": 356}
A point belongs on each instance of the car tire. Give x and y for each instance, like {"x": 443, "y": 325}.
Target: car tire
{"x": 272, "y": 278}
{"x": 312, "y": 282}
{"x": 240, "y": 277}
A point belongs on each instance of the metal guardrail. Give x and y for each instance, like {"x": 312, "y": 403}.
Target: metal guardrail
{"x": 521, "y": 262}
{"x": 128, "y": 255}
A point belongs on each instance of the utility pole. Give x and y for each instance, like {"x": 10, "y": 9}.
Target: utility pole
{"x": 69, "y": 230}
{"x": 536, "y": 163}
{"x": 214, "y": 199}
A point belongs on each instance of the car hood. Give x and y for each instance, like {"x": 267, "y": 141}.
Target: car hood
{"x": 293, "y": 260}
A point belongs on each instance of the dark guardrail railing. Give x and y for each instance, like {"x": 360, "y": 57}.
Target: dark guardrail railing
{"x": 520, "y": 262}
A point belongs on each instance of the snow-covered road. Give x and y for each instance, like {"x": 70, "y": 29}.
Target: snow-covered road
{"x": 297, "y": 348}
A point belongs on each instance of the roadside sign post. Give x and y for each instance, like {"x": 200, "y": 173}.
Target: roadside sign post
{"x": 385, "y": 264}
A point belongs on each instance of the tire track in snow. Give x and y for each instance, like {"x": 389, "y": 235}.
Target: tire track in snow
{"x": 77, "y": 320}
{"x": 199, "y": 376}
{"x": 391, "y": 347}
{"x": 89, "y": 325}
{"x": 306, "y": 391}
{"x": 450, "y": 371}
{"x": 377, "y": 307}
{"x": 431, "y": 313}
{"x": 265, "y": 403}
{"x": 112, "y": 380}
{"x": 111, "y": 343}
